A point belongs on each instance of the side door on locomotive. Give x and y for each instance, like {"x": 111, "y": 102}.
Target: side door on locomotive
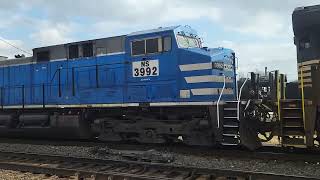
{"x": 151, "y": 71}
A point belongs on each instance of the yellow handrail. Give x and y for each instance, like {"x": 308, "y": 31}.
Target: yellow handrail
{"x": 278, "y": 97}
{"x": 284, "y": 87}
{"x": 302, "y": 95}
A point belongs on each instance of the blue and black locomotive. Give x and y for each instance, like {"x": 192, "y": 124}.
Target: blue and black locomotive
{"x": 149, "y": 86}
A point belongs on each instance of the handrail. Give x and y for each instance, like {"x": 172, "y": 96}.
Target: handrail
{"x": 302, "y": 95}
{"x": 239, "y": 99}
{"x": 218, "y": 102}
{"x": 278, "y": 97}
{"x": 54, "y": 75}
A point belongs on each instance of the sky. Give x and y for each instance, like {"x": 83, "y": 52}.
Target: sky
{"x": 259, "y": 31}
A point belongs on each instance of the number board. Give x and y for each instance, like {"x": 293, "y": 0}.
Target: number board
{"x": 218, "y": 65}
{"x": 145, "y": 68}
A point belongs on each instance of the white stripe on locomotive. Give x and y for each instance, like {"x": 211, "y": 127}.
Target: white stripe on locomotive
{"x": 207, "y": 78}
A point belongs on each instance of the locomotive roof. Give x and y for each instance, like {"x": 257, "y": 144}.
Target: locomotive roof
{"x": 307, "y": 8}
{"x": 60, "y": 47}
{"x": 160, "y": 29}
{"x": 304, "y": 18}
{"x": 82, "y": 41}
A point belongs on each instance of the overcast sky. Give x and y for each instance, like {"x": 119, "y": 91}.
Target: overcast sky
{"x": 259, "y": 31}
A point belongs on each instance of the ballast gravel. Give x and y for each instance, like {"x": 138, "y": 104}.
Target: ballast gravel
{"x": 181, "y": 159}
{"x": 16, "y": 175}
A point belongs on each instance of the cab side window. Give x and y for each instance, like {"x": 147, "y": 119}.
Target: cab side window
{"x": 73, "y": 51}
{"x": 167, "y": 44}
{"x": 43, "y": 56}
{"x": 87, "y": 49}
{"x": 151, "y": 46}
{"x": 138, "y": 47}
{"x": 305, "y": 43}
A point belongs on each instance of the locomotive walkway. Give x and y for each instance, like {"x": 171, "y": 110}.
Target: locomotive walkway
{"x": 120, "y": 169}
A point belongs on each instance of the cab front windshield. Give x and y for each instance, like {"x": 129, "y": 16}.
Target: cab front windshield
{"x": 188, "y": 42}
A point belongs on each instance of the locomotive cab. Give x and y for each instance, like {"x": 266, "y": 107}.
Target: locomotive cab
{"x": 306, "y": 27}
{"x": 170, "y": 65}
{"x": 151, "y": 66}
{"x": 205, "y": 74}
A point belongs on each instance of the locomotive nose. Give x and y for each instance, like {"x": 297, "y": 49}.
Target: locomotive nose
{"x": 223, "y": 55}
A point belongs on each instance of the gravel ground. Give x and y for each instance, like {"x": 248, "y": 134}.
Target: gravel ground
{"x": 15, "y": 175}
{"x": 204, "y": 161}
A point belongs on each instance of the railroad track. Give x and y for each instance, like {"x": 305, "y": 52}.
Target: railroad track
{"x": 119, "y": 169}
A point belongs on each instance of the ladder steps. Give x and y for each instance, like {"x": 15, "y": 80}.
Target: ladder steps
{"x": 230, "y": 126}
{"x": 231, "y": 117}
{"x": 230, "y": 134}
{"x": 291, "y": 101}
{"x": 293, "y": 133}
{"x": 293, "y": 124}
{"x": 230, "y": 109}
{"x": 292, "y": 117}
{"x": 231, "y": 122}
{"x": 291, "y": 108}
{"x": 230, "y": 131}
{"x": 290, "y": 105}
{"x": 230, "y": 144}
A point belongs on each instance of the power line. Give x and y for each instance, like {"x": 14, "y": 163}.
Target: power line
{"x": 5, "y": 41}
